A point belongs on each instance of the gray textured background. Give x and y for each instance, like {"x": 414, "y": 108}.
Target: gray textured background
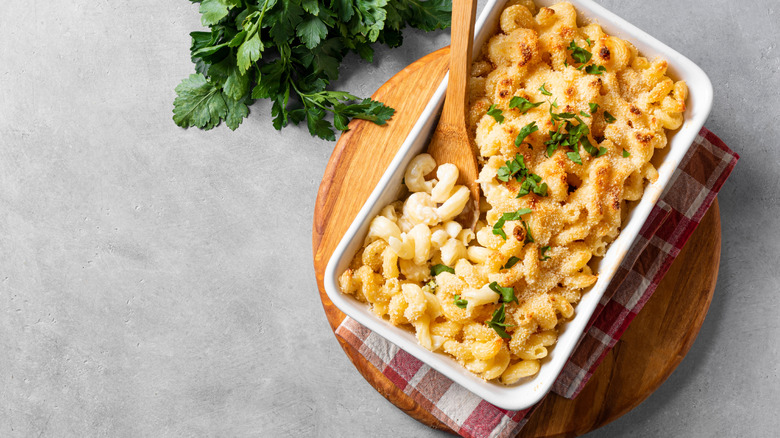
{"x": 156, "y": 281}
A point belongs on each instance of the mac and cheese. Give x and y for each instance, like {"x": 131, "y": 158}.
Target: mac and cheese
{"x": 566, "y": 119}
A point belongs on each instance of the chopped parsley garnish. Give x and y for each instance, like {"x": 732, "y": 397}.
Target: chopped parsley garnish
{"x": 595, "y": 69}
{"x": 498, "y": 228}
{"x": 461, "y": 303}
{"x": 432, "y": 285}
{"x": 626, "y": 154}
{"x": 592, "y": 150}
{"x": 609, "y": 117}
{"x": 543, "y": 250}
{"x": 578, "y": 53}
{"x": 529, "y": 238}
{"x": 513, "y": 167}
{"x": 496, "y": 113}
{"x": 574, "y": 135}
{"x": 584, "y": 114}
{"x": 497, "y": 322}
{"x": 438, "y": 269}
{"x": 590, "y": 43}
{"x": 575, "y": 157}
{"x": 511, "y": 262}
{"x": 525, "y": 132}
{"x": 583, "y": 56}
{"x": 557, "y": 117}
{"x": 530, "y": 182}
{"x": 544, "y": 91}
{"x": 593, "y": 107}
{"x": 522, "y": 104}
{"x": 507, "y": 293}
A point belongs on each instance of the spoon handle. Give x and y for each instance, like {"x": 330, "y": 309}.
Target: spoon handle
{"x": 461, "y": 43}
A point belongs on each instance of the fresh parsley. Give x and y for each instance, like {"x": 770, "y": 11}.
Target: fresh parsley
{"x": 544, "y": 91}
{"x": 497, "y": 322}
{"x": 595, "y": 69}
{"x": 461, "y": 303}
{"x": 511, "y": 262}
{"x": 525, "y": 132}
{"x": 498, "y": 227}
{"x": 513, "y": 167}
{"x": 575, "y": 156}
{"x": 570, "y": 135}
{"x": 522, "y": 104}
{"x": 593, "y": 107}
{"x": 626, "y": 154}
{"x": 584, "y": 114}
{"x": 507, "y": 293}
{"x": 529, "y": 238}
{"x": 609, "y": 117}
{"x": 496, "y": 113}
{"x": 289, "y": 52}
{"x": 578, "y": 53}
{"x": 530, "y": 182}
{"x": 438, "y": 269}
{"x": 583, "y": 56}
{"x": 543, "y": 250}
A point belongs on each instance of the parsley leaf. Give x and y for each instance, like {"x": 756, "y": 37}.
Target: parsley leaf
{"x": 530, "y": 182}
{"x": 525, "y": 132}
{"x": 461, "y": 303}
{"x": 626, "y": 154}
{"x": 529, "y": 238}
{"x": 543, "y": 250}
{"x": 595, "y": 69}
{"x": 584, "y": 114}
{"x": 544, "y": 91}
{"x": 507, "y": 293}
{"x": 497, "y": 322}
{"x": 578, "y": 53}
{"x": 590, "y": 43}
{"x": 593, "y": 107}
{"x": 522, "y": 104}
{"x": 498, "y": 227}
{"x": 438, "y": 269}
{"x": 198, "y": 103}
{"x": 311, "y": 31}
{"x": 511, "y": 262}
{"x": 592, "y": 150}
{"x": 609, "y": 117}
{"x": 496, "y": 113}
{"x": 213, "y": 11}
{"x": 512, "y": 168}
{"x": 575, "y": 157}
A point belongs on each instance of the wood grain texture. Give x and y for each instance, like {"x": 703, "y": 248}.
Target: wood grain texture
{"x": 646, "y": 355}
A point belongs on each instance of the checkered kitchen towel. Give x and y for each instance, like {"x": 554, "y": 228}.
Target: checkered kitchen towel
{"x": 690, "y": 193}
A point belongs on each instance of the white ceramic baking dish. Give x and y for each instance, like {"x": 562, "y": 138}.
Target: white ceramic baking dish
{"x": 529, "y": 391}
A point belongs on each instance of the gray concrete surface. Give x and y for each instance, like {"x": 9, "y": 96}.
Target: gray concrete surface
{"x": 156, "y": 281}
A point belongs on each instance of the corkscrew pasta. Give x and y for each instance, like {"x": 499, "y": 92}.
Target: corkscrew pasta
{"x": 566, "y": 119}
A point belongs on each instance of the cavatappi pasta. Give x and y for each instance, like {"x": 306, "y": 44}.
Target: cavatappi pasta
{"x": 566, "y": 120}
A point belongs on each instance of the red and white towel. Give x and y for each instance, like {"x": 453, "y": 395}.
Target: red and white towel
{"x": 690, "y": 193}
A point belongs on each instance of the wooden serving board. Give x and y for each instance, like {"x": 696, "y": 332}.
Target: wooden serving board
{"x": 645, "y": 356}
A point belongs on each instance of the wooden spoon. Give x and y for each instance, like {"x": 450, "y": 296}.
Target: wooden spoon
{"x": 451, "y": 142}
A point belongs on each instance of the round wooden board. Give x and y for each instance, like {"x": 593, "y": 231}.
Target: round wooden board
{"x": 645, "y": 356}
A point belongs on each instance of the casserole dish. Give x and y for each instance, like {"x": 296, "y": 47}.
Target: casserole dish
{"x": 529, "y": 391}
